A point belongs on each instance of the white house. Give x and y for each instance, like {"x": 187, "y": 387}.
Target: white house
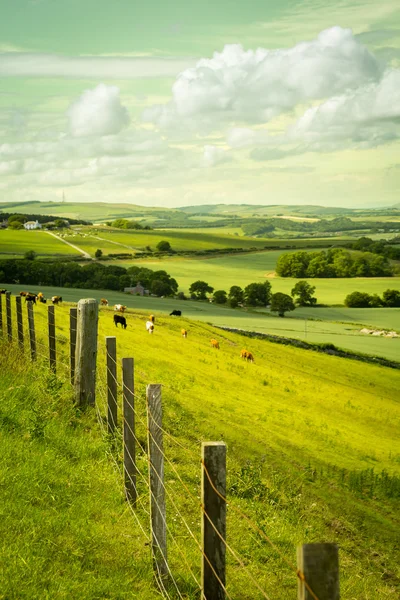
{"x": 32, "y": 225}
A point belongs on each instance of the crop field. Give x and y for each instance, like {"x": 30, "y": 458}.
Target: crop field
{"x": 20, "y": 241}
{"x": 343, "y": 335}
{"x": 295, "y": 424}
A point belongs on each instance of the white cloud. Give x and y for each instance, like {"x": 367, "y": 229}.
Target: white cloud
{"x": 14, "y": 63}
{"x": 257, "y": 85}
{"x": 97, "y": 112}
{"x": 368, "y": 115}
{"x": 212, "y": 155}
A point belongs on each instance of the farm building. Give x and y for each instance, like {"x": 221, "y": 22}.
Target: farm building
{"x": 137, "y": 289}
{"x": 32, "y": 225}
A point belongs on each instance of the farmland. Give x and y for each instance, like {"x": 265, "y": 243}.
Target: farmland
{"x": 343, "y": 334}
{"x": 298, "y": 420}
{"x": 18, "y": 242}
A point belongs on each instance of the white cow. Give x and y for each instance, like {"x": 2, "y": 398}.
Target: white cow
{"x": 149, "y": 326}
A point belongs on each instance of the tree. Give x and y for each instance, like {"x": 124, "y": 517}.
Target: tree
{"x": 304, "y": 292}
{"x": 199, "y": 289}
{"x": 220, "y": 297}
{"x": 30, "y": 255}
{"x": 358, "y": 300}
{"x": 15, "y": 225}
{"x": 163, "y": 246}
{"x": 258, "y": 294}
{"x": 98, "y": 253}
{"x": 281, "y": 303}
{"x": 236, "y": 294}
{"x": 59, "y": 223}
{"x": 391, "y": 298}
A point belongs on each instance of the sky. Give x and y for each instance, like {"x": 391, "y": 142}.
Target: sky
{"x": 186, "y": 103}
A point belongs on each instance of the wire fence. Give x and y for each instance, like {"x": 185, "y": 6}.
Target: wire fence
{"x": 168, "y": 479}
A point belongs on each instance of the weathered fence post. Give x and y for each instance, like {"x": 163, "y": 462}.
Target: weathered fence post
{"x": 32, "y": 335}
{"x": 156, "y": 479}
{"x": 72, "y": 342}
{"x": 52, "y": 336}
{"x": 129, "y": 430}
{"x": 112, "y": 411}
{"x": 86, "y": 352}
{"x": 213, "y": 477}
{"x": 318, "y": 572}
{"x": 8, "y": 311}
{"x": 1, "y": 314}
{"x": 19, "y": 321}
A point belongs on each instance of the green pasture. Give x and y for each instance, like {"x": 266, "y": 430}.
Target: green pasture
{"x": 242, "y": 269}
{"x": 294, "y": 325}
{"x": 20, "y": 241}
{"x": 306, "y": 436}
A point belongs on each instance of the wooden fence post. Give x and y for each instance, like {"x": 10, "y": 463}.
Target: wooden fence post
{"x": 52, "y": 336}
{"x": 156, "y": 480}
{"x": 8, "y": 311}
{"x": 32, "y": 335}
{"x": 318, "y": 566}
{"x": 213, "y": 477}
{"x": 86, "y": 352}
{"x": 129, "y": 430}
{"x": 19, "y": 321}
{"x": 1, "y": 314}
{"x": 112, "y": 410}
{"x": 72, "y": 341}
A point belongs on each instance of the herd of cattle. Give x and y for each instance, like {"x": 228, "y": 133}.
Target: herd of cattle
{"x": 119, "y": 319}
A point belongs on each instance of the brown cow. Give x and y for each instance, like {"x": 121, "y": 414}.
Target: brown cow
{"x": 184, "y": 333}
{"x": 120, "y": 308}
{"x": 214, "y": 344}
{"x": 152, "y": 318}
{"x": 23, "y": 293}
{"x": 56, "y": 299}
{"x": 103, "y": 302}
{"x": 246, "y": 355}
{"x": 30, "y": 298}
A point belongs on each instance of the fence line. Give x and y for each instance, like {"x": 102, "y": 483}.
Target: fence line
{"x": 317, "y": 563}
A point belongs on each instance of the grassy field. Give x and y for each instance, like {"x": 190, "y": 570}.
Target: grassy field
{"x": 295, "y": 424}
{"x": 19, "y": 242}
{"x": 343, "y": 335}
{"x": 223, "y": 272}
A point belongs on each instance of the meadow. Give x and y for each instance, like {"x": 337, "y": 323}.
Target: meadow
{"x": 342, "y": 328}
{"x": 17, "y": 242}
{"x": 295, "y": 424}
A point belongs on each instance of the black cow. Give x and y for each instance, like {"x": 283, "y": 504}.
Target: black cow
{"x": 120, "y": 319}
{"x": 56, "y": 299}
{"x": 30, "y": 298}
{"x": 3, "y": 291}
{"x": 176, "y": 313}
{"x": 42, "y": 300}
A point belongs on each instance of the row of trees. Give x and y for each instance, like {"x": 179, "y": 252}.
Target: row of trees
{"x": 257, "y": 294}
{"x": 339, "y": 224}
{"x": 390, "y": 298}
{"x": 94, "y": 275}
{"x": 388, "y": 248}
{"x": 17, "y": 220}
{"x": 126, "y": 224}
{"x": 335, "y": 262}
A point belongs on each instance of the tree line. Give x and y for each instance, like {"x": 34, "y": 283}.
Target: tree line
{"x": 42, "y": 219}
{"x": 335, "y": 262}
{"x": 389, "y": 299}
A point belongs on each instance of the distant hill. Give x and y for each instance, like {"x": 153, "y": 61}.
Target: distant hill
{"x": 250, "y": 210}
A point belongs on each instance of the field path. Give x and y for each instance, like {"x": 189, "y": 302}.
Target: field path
{"x": 85, "y": 254}
{"x": 97, "y": 237}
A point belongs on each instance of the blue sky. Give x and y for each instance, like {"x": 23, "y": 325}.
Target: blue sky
{"x": 177, "y": 103}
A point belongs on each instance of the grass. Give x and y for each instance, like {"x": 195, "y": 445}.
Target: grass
{"x": 65, "y": 531}
{"x": 296, "y": 425}
{"x": 20, "y": 241}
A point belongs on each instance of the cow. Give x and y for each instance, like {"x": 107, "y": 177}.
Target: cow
{"x": 152, "y": 318}
{"x": 56, "y": 299}
{"x": 23, "y": 293}
{"x": 43, "y": 300}
{"x": 120, "y": 319}
{"x": 184, "y": 333}
{"x": 103, "y": 302}
{"x": 214, "y": 344}
{"x": 3, "y": 291}
{"x": 149, "y": 326}
{"x": 120, "y": 308}
{"x": 30, "y": 298}
{"x": 246, "y": 355}
{"x": 40, "y": 295}
{"x": 175, "y": 313}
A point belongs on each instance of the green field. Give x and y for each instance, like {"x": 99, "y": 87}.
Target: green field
{"x": 223, "y": 272}
{"x": 343, "y": 335}
{"x": 303, "y": 433}
{"x": 20, "y": 241}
